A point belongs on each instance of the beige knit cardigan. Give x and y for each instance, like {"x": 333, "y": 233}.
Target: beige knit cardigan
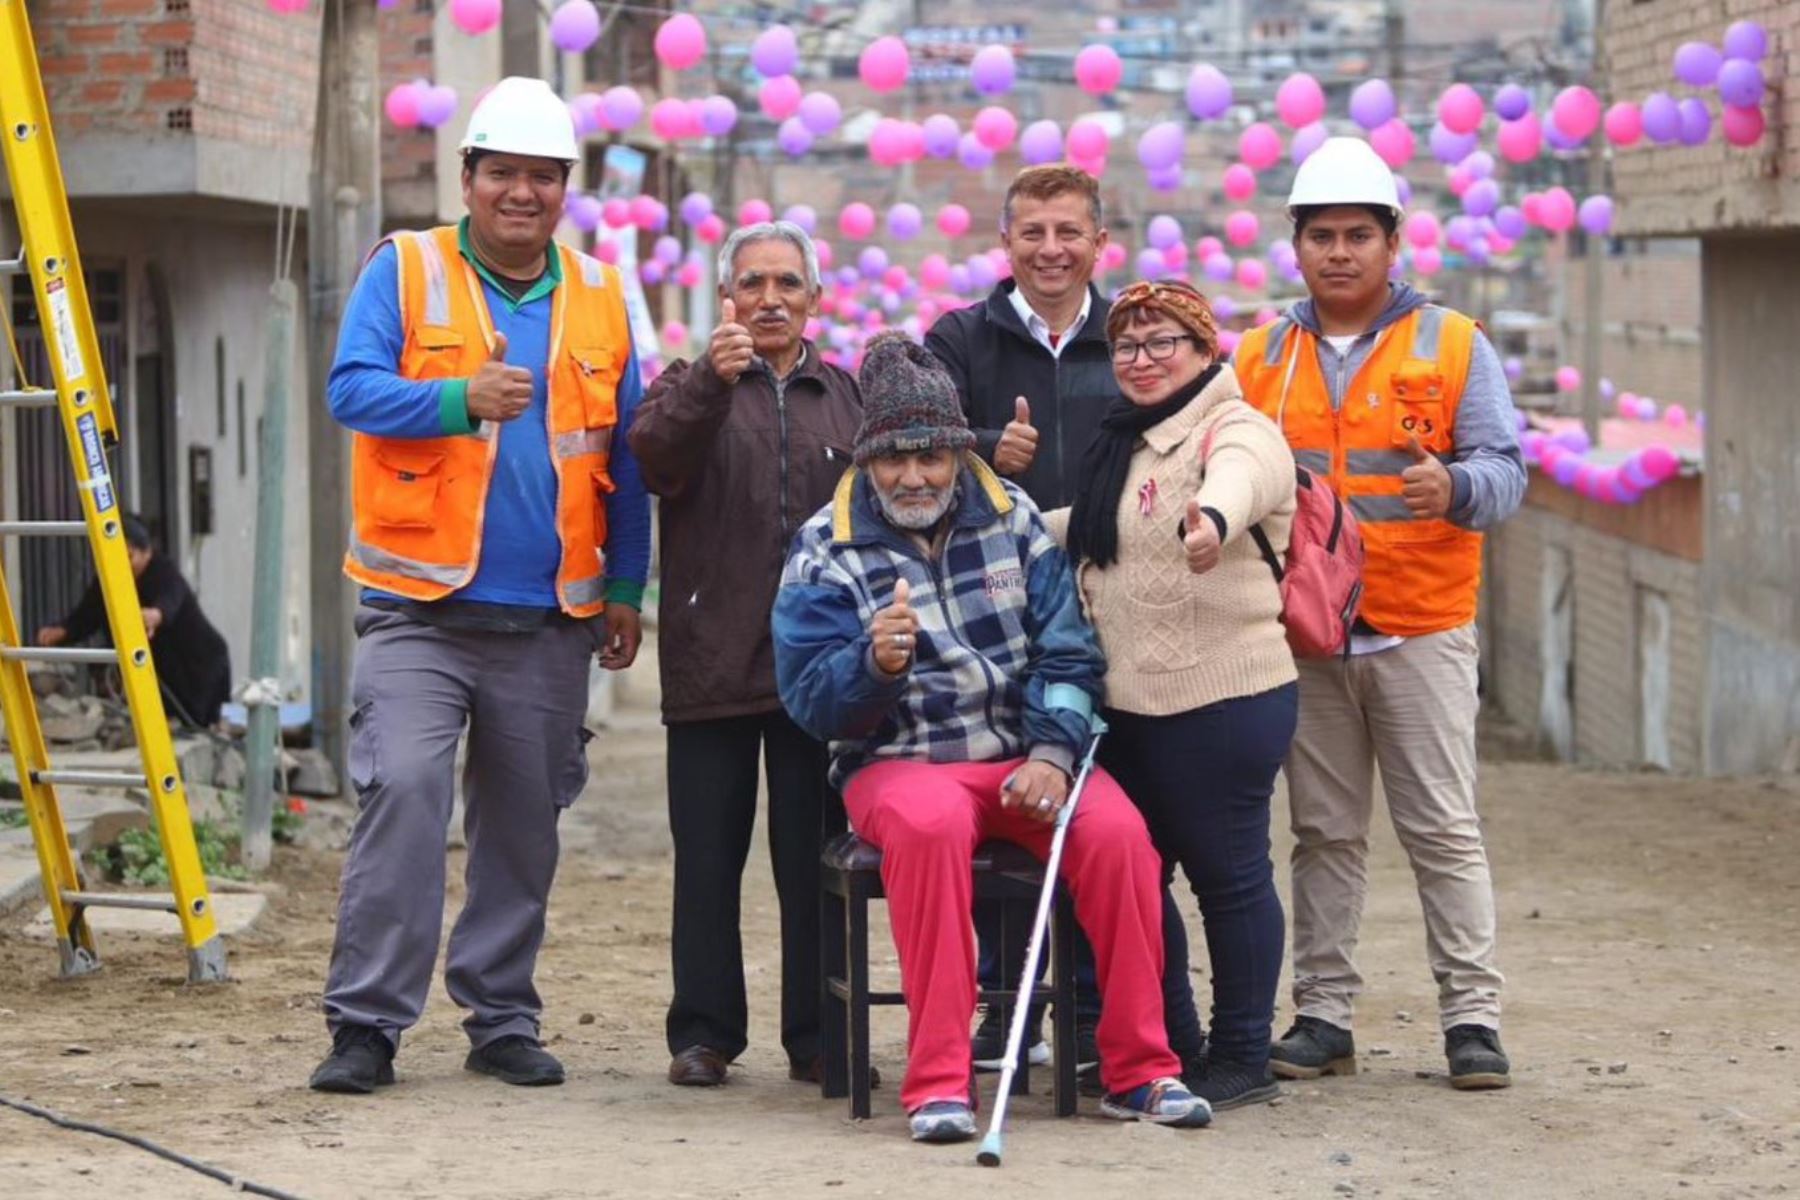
{"x": 1177, "y": 641}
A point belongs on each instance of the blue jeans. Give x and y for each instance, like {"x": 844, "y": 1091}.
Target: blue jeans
{"x": 1204, "y": 781}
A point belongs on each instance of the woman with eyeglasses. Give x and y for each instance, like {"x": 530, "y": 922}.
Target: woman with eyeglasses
{"x": 1180, "y": 490}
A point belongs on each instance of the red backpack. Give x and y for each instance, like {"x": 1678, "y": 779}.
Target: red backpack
{"x": 1321, "y": 585}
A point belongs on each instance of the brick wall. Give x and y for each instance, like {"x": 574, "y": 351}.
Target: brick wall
{"x": 1683, "y": 189}
{"x": 408, "y": 180}
{"x": 1650, "y": 301}
{"x": 227, "y": 69}
{"x": 1608, "y": 570}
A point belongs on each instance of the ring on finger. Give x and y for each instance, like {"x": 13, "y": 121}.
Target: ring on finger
{"x": 902, "y": 639}
{"x": 1043, "y": 803}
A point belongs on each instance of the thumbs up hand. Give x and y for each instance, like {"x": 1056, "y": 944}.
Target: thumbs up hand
{"x": 893, "y": 631}
{"x": 1425, "y": 486}
{"x": 498, "y": 392}
{"x": 1018, "y": 441}
{"x": 1201, "y": 539}
{"x": 732, "y": 347}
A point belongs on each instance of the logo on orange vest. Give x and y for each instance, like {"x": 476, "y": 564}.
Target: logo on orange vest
{"x": 1008, "y": 579}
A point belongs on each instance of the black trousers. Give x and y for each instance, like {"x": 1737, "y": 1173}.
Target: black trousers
{"x": 712, "y": 811}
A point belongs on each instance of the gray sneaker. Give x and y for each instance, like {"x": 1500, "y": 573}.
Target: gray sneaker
{"x": 1477, "y": 1062}
{"x": 943, "y": 1121}
{"x": 1312, "y": 1048}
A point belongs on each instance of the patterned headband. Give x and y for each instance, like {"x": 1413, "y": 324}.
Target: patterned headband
{"x": 1177, "y": 301}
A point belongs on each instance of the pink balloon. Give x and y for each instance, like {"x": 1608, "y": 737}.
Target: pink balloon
{"x": 934, "y": 272}
{"x": 1252, "y": 275}
{"x": 1557, "y": 210}
{"x": 1114, "y": 256}
{"x": 995, "y": 128}
{"x": 1422, "y": 230}
{"x": 1520, "y": 141}
{"x": 1175, "y": 257}
{"x": 1624, "y": 124}
{"x": 1660, "y": 462}
{"x": 953, "y": 220}
{"x": 1259, "y": 146}
{"x": 1300, "y": 101}
{"x": 1576, "y": 111}
{"x": 1568, "y": 379}
{"x": 680, "y": 42}
{"x": 857, "y": 221}
{"x": 1394, "y": 143}
{"x": 402, "y": 105}
{"x": 1239, "y": 182}
{"x": 1460, "y": 180}
{"x": 779, "y": 98}
{"x": 1460, "y": 108}
{"x": 1088, "y": 140}
{"x": 1675, "y": 416}
{"x": 674, "y": 332}
{"x": 669, "y": 119}
{"x": 1208, "y": 246}
{"x": 1241, "y": 227}
{"x": 1098, "y": 69}
{"x": 884, "y": 64}
{"x": 607, "y": 252}
{"x": 616, "y": 213}
{"x": 1428, "y": 261}
{"x": 755, "y": 212}
{"x": 475, "y": 16}
{"x": 711, "y": 230}
{"x": 1742, "y": 126}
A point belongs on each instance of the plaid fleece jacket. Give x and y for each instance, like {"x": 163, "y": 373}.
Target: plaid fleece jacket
{"x": 999, "y": 621}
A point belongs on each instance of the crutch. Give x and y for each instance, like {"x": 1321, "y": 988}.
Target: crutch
{"x": 989, "y": 1154}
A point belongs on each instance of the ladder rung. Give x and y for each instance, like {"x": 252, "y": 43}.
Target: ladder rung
{"x": 151, "y": 900}
{"x": 57, "y": 654}
{"x": 118, "y": 779}
{"x": 42, "y": 398}
{"x": 42, "y": 528}
{"x": 12, "y": 266}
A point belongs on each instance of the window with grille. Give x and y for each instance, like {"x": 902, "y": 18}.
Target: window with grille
{"x": 179, "y": 118}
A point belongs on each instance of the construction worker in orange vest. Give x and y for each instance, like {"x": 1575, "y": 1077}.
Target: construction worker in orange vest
{"x": 1402, "y": 406}
{"x": 501, "y": 538}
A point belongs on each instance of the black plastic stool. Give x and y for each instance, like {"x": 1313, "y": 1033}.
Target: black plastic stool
{"x": 850, "y": 877}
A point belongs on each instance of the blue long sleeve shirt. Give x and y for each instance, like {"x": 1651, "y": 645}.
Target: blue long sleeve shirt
{"x": 520, "y": 550}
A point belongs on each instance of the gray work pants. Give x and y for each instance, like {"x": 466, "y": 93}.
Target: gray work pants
{"x": 415, "y": 689}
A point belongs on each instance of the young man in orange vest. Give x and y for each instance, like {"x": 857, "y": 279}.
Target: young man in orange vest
{"x": 501, "y": 536}
{"x": 1403, "y": 407}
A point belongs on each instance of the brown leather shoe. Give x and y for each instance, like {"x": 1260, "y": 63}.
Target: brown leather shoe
{"x": 698, "y": 1066}
{"x": 813, "y": 1071}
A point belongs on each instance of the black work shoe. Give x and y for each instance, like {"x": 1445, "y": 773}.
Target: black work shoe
{"x": 988, "y": 1046}
{"x": 1476, "y": 1060}
{"x": 361, "y": 1060}
{"x": 516, "y": 1059}
{"x": 1087, "y": 1062}
{"x": 1225, "y": 1085}
{"x": 1312, "y": 1048}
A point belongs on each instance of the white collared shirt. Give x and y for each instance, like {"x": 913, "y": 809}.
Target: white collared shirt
{"x": 1039, "y": 328}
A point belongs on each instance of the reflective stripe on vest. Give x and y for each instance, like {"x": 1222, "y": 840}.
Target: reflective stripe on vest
{"x": 437, "y": 278}
{"x": 374, "y": 558}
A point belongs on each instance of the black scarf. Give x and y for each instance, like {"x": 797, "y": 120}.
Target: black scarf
{"x": 1094, "y": 521}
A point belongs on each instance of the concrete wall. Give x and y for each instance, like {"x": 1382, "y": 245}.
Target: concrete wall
{"x": 1620, "y": 560}
{"x": 1752, "y": 578}
{"x": 1650, "y": 300}
{"x": 1677, "y": 190}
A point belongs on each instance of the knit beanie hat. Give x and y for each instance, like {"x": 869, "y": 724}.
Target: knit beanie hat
{"x": 909, "y": 401}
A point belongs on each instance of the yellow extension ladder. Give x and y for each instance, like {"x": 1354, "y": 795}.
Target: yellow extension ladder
{"x": 49, "y": 256}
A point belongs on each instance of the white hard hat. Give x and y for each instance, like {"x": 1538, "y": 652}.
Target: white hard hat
{"x": 522, "y": 116}
{"x": 1344, "y": 170}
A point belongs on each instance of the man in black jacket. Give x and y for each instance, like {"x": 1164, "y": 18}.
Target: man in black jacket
{"x": 193, "y": 663}
{"x": 1030, "y": 362}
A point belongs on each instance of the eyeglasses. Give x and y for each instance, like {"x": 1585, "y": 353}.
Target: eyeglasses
{"x": 1160, "y": 349}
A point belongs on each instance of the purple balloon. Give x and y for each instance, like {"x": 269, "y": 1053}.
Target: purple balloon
{"x": 622, "y": 107}
{"x": 584, "y": 210}
{"x": 696, "y": 207}
{"x": 872, "y": 262}
{"x": 1511, "y": 102}
{"x": 1307, "y": 139}
{"x": 1150, "y": 264}
{"x": 1042, "y": 142}
{"x": 1457, "y": 232}
{"x": 1218, "y": 267}
{"x": 1566, "y": 468}
{"x": 1164, "y": 179}
{"x": 1161, "y": 146}
{"x": 972, "y": 154}
{"x": 1224, "y": 307}
{"x": 1515, "y": 369}
{"x": 1372, "y": 104}
{"x": 574, "y": 26}
{"x": 847, "y": 276}
{"x": 1662, "y": 118}
{"x": 982, "y": 272}
{"x": 1740, "y": 83}
{"x": 774, "y": 52}
{"x": 1697, "y": 63}
{"x": 794, "y": 137}
{"x": 1482, "y": 198}
{"x": 1696, "y": 121}
{"x": 820, "y": 112}
{"x": 717, "y": 115}
{"x": 804, "y": 216}
{"x": 1208, "y": 92}
{"x": 991, "y": 71}
{"x": 1479, "y": 165}
{"x": 904, "y": 222}
{"x": 437, "y": 104}
{"x": 959, "y": 278}
{"x": 1746, "y": 39}
{"x": 1163, "y": 231}
{"x": 1510, "y": 223}
{"x": 1555, "y": 137}
{"x": 1451, "y": 148}
{"x": 941, "y": 135}
{"x": 1404, "y": 190}
{"x": 652, "y": 271}
{"x": 667, "y": 250}
{"x": 1596, "y": 215}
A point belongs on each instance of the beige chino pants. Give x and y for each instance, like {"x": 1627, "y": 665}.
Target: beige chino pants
{"x": 1411, "y": 711}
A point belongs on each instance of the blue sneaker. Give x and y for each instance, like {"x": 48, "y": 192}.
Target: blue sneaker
{"x": 943, "y": 1121}
{"x": 1165, "y": 1101}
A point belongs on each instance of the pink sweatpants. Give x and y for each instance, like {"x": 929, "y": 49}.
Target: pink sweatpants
{"x": 928, "y": 818}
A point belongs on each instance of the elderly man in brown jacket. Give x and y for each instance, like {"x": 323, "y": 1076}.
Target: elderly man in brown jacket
{"x": 742, "y": 445}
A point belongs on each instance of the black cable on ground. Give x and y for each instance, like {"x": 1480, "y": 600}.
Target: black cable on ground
{"x": 224, "y": 1177}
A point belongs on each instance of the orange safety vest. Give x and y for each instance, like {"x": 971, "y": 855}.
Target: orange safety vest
{"x": 1420, "y": 576}
{"x": 418, "y": 503}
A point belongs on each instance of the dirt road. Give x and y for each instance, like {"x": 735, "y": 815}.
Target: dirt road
{"x": 1649, "y": 928}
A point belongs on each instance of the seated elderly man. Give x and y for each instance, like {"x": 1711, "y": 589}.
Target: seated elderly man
{"x": 928, "y": 627}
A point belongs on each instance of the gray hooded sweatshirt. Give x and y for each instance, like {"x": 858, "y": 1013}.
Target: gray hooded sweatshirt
{"x": 1487, "y": 472}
